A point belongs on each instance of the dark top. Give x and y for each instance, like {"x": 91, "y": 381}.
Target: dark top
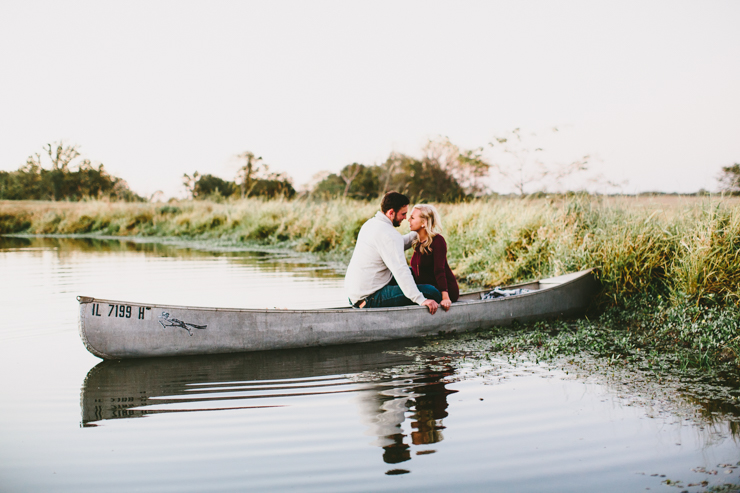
{"x": 432, "y": 268}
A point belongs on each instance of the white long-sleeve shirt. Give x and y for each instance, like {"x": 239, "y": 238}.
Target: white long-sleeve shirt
{"x": 378, "y": 256}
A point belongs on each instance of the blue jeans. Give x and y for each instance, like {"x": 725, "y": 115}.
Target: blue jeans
{"x": 391, "y": 295}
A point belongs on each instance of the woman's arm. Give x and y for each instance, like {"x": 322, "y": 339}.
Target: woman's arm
{"x": 439, "y": 254}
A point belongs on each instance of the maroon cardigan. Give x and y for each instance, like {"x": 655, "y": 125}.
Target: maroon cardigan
{"x": 432, "y": 268}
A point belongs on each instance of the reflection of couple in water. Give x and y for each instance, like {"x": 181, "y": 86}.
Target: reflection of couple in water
{"x": 378, "y": 275}
{"x": 420, "y": 396}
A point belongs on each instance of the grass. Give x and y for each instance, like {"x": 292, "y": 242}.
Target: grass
{"x": 304, "y": 226}
{"x": 652, "y": 334}
{"x": 669, "y": 269}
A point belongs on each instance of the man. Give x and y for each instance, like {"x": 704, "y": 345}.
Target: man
{"x": 378, "y": 275}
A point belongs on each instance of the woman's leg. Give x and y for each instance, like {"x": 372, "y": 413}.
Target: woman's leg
{"x": 430, "y": 292}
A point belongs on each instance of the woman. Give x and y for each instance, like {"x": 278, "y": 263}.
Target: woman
{"x": 429, "y": 262}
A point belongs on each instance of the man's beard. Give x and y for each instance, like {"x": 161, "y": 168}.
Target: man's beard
{"x": 396, "y": 222}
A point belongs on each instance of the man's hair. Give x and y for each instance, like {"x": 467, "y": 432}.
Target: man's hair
{"x": 393, "y": 200}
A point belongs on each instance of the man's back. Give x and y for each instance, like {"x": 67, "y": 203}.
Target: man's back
{"x": 377, "y": 257}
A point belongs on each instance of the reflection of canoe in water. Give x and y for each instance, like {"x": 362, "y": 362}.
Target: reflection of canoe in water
{"x": 385, "y": 383}
{"x": 116, "y": 329}
{"x": 144, "y": 386}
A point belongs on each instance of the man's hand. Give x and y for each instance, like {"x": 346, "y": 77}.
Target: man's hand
{"x": 432, "y": 305}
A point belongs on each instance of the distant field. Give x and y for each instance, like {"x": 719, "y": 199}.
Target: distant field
{"x": 668, "y": 200}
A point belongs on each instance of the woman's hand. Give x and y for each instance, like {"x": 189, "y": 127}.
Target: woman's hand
{"x": 445, "y": 303}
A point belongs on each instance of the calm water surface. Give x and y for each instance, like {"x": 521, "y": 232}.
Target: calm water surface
{"x": 374, "y": 417}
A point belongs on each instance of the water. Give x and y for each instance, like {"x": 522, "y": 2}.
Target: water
{"x": 374, "y": 417}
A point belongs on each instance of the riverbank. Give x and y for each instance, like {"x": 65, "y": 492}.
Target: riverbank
{"x": 668, "y": 267}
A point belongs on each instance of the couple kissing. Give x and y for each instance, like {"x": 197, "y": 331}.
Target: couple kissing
{"x": 378, "y": 275}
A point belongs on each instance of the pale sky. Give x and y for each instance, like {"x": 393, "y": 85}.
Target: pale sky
{"x": 155, "y": 89}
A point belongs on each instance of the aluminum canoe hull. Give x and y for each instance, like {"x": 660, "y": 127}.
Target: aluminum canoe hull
{"x": 113, "y": 329}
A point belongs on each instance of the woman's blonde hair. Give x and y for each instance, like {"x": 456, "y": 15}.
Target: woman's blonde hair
{"x": 433, "y": 225}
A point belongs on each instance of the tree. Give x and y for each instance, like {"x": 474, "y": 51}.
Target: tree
{"x": 348, "y": 174}
{"x": 519, "y": 160}
{"x": 188, "y": 182}
{"x": 329, "y": 186}
{"x": 355, "y": 181}
{"x": 420, "y": 179}
{"x": 467, "y": 167}
{"x": 61, "y": 156}
{"x": 247, "y": 174}
{"x": 387, "y": 170}
{"x": 255, "y": 181}
{"x": 61, "y": 173}
{"x": 274, "y": 185}
{"x": 729, "y": 179}
{"x": 429, "y": 178}
{"x": 213, "y": 186}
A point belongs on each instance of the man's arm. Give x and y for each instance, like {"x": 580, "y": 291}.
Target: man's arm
{"x": 394, "y": 259}
{"x": 409, "y": 239}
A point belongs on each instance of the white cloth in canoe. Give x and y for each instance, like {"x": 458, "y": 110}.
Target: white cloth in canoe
{"x": 501, "y": 293}
{"x": 378, "y": 257}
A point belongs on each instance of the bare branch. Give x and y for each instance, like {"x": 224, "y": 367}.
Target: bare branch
{"x": 351, "y": 173}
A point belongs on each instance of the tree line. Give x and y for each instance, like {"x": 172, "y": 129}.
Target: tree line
{"x": 253, "y": 179}
{"x": 60, "y": 173}
{"x": 443, "y": 173}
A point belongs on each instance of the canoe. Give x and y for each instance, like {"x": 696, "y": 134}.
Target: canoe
{"x": 118, "y": 329}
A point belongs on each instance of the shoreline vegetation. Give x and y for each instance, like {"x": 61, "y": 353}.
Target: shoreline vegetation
{"x": 668, "y": 266}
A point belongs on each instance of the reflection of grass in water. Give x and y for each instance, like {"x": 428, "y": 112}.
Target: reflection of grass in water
{"x": 269, "y": 261}
{"x": 659, "y": 395}
{"x": 671, "y": 268}
{"x": 724, "y": 488}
